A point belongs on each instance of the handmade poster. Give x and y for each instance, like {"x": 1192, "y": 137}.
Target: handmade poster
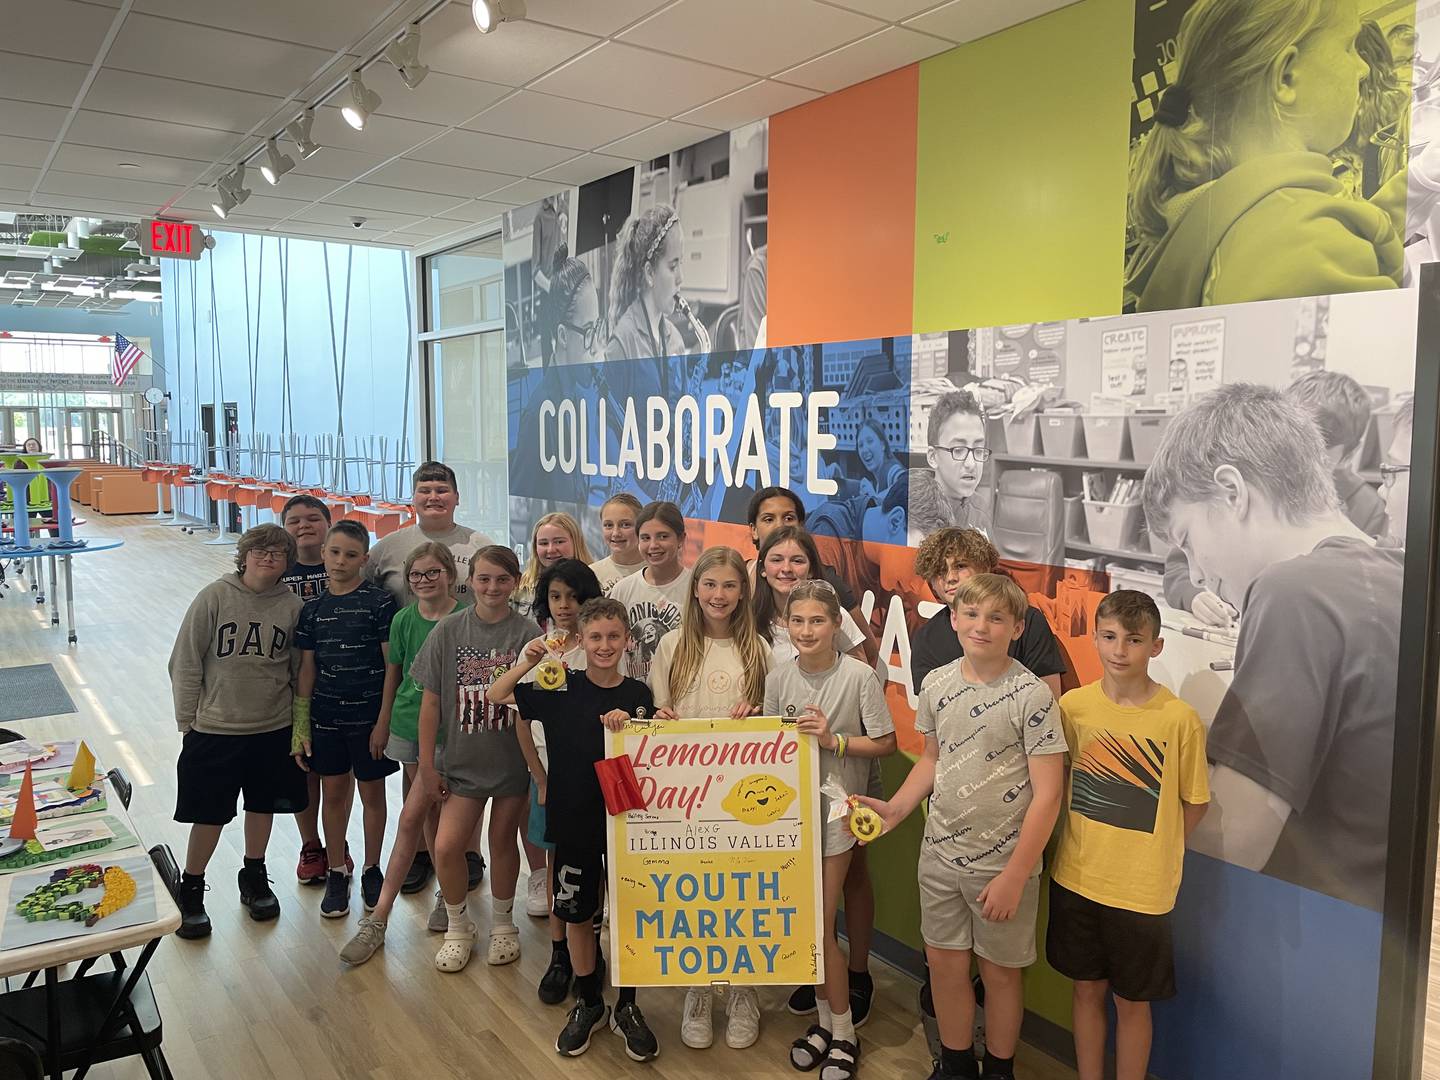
{"x": 70, "y": 838}
{"x": 53, "y": 799}
{"x": 50, "y": 754}
{"x": 717, "y": 880}
{"x": 77, "y": 901}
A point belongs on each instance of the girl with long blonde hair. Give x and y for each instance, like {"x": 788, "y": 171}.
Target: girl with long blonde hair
{"x": 714, "y": 664}
{"x": 555, "y": 536}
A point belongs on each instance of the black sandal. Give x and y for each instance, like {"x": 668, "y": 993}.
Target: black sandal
{"x": 814, "y": 1044}
{"x": 842, "y": 1062}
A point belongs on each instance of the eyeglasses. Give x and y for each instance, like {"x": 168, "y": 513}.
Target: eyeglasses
{"x": 588, "y": 333}
{"x": 981, "y": 454}
{"x": 417, "y": 576}
{"x": 271, "y": 554}
{"x": 1388, "y": 473}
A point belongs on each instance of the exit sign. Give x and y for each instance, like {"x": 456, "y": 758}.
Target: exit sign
{"x": 171, "y": 239}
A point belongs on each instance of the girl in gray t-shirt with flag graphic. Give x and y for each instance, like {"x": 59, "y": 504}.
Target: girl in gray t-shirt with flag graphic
{"x": 838, "y": 700}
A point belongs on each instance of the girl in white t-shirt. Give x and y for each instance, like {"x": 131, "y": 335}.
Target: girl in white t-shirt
{"x": 617, "y": 525}
{"x": 838, "y": 701}
{"x": 655, "y": 596}
{"x": 712, "y": 665}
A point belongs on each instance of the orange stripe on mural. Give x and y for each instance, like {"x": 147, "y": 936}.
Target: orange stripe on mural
{"x": 842, "y": 213}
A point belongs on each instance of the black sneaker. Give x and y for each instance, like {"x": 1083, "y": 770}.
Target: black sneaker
{"x": 802, "y": 1001}
{"x": 628, "y": 1022}
{"x": 555, "y": 983}
{"x": 574, "y": 1039}
{"x": 256, "y": 896}
{"x": 862, "y": 996}
{"x": 371, "y": 882}
{"x": 475, "y": 864}
{"x": 194, "y": 923}
{"x": 336, "y": 904}
{"x": 418, "y": 876}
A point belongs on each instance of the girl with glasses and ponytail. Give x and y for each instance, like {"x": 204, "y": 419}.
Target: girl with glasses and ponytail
{"x": 570, "y": 317}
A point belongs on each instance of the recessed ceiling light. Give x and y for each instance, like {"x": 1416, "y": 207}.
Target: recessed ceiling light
{"x": 299, "y": 132}
{"x": 489, "y": 14}
{"x": 363, "y": 101}
{"x": 405, "y": 55}
{"x": 127, "y": 165}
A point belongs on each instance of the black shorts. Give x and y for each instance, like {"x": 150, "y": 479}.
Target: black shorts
{"x": 1091, "y": 942}
{"x": 213, "y": 770}
{"x": 579, "y": 882}
{"x": 337, "y": 751}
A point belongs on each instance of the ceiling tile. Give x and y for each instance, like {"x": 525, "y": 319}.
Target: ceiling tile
{"x": 293, "y": 185}
{"x": 513, "y": 56}
{"x": 589, "y": 16}
{"x": 28, "y": 78}
{"x": 559, "y": 121}
{"x": 30, "y": 120}
{"x": 966, "y": 20}
{"x": 212, "y": 57}
{"x": 440, "y": 179}
{"x": 758, "y": 36}
{"x": 440, "y": 99}
{"x": 894, "y": 47}
{"x": 473, "y": 149}
{"x": 342, "y": 216}
{"x": 753, "y": 103}
{"x": 145, "y": 136}
{"x": 17, "y": 151}
{"x": 56, "y": 29}
{"x": 521, "y": 192}
{"x": 432, "y": 226}
{"x": 334, "y": 162}
{"x": 374, "y": 197}
{"x": 99, "y": 161}
{"x": 324, "y": 24}
{"x": 108, "y": 187}
{"x": 625, "y": 77}
{"x": 585, "y": 168}
{"x": 383, "y": 135}
{"x": 409, "y": 240}
{"x": 659, "y": 140}
{"x": 891, "y": 10}
{"x": 157, "y": 98}
{"x": 478, "y": 210}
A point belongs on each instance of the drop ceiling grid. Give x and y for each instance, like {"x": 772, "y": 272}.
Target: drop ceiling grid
{"x": 411, "y": 168}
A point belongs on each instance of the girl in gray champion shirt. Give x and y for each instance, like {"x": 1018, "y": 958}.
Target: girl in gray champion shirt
{"x": 838, "y": 700}
{"x": 481, "y": 758}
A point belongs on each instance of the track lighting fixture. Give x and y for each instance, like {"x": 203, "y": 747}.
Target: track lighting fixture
{"x": 489, "y": 14}
{"x": 405, "y": 55}
{"x": 275, "y": 164}
{"x": 299, "y": 132}
{"x": 232, "y": 191}
{"x": 363, "y": 101}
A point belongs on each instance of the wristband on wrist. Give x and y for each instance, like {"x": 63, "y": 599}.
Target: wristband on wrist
{"x": 840, "y": 746}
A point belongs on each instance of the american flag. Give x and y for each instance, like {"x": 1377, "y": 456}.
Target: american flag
{"x": 127, "y": 355}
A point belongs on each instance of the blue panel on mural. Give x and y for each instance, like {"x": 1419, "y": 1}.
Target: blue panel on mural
{"x": 830, "y": 421}
{"x": 1275, "y": 980}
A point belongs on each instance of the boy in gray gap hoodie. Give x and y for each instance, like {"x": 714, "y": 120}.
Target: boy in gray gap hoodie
{"x": 232, "y": 672}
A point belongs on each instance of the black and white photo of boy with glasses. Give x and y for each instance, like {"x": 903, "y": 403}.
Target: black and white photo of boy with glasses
{"x": 944, "y": 494}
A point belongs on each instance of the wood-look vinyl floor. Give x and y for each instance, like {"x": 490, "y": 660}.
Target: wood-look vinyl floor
{"x": 259, "y": 1001}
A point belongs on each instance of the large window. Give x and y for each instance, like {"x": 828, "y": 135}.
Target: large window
{"x": 463, "y": 342}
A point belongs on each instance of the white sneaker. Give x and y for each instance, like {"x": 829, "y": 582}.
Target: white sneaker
{"x": 742, "y": 1018}
{"x": 536, "y": 905}
{"x": 696, "y": 1031}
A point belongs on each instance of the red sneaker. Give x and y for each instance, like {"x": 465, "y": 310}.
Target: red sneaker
{"x": 311, "y": 870}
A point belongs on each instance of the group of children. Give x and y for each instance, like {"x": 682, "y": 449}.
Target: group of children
{"x": 460, "y": 688}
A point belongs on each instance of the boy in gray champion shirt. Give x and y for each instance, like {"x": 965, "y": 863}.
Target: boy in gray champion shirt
{"x": 994, "y": 765}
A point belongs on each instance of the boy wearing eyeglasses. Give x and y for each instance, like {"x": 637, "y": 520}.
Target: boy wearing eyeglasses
{"x": 944, "y": 494}
{"x": 231, "y": 674}
{"x": 344, "y": 643}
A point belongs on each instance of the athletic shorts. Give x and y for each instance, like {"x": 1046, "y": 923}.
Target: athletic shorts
{"x": 405, "y": 751}
{"x": 579, "y": 883}
{"x": 213, "y": 771}
{"x": 951, "y": 915}
{"x": 337, "y": 751}
{"x": 535, "y": 824}
{"x": 1091, "y": 942}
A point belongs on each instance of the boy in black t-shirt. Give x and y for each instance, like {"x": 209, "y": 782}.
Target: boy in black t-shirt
{"x": 575, "y": 717}
{"x": 344, "y": 641}
{"x": 307, "y": 520}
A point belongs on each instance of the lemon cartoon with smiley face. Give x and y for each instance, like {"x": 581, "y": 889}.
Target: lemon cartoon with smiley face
{"x": 758, "y": 799}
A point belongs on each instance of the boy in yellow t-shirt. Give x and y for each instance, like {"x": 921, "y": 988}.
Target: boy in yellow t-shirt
{"x": 1137, "y": 786}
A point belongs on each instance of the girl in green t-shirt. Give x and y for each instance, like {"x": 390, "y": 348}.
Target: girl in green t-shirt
{"x": 430, "y": 573}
